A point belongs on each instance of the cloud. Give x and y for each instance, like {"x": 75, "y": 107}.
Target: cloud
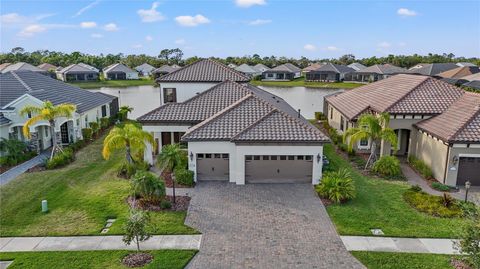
{"x": 149, "y": 38}
{"x": 17, "y": 20}
{"x": 88, "y": 24}
{"x": 137, "y": 46}
{"x": 259, "y": 22}
{"x": 384, "y": 45}
{"x": 249, "y": 3}
{"x": 11, "y": 18}
{"x": 111, "y": 27}
{"x": 405, "y": 12}
{"x": 180, "y": 41}
{"x": 96, "y": 35}
{"x": 31, "y": 30}
{"x": 191, "y": 21}
{"x": 332, "y": 48}
{"x": 309, "y": 47}
{"x": 85, "y": 8}
{"x": 151, "y": 15}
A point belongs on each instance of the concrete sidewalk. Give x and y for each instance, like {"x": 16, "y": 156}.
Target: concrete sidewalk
{"x": 14, "y": 172}
{"x": 76, "y": 243}
{"x": 394, "y": 244}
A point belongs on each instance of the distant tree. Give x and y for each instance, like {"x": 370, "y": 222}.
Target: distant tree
{"x": 171, "y": 56}
{"x": 346, "y": 59}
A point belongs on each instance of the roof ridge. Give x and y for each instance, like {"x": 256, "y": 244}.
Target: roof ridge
{"x": 24, "y": 84}
{"x": 466, "y": 122}
{"x": 426, "y": 78}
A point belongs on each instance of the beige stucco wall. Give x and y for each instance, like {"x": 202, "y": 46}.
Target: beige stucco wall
{"x": 334, "y": 118}
{"x": 433, "y": 152}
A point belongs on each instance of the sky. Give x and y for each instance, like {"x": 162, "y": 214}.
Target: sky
{"x": 221, "y": 28}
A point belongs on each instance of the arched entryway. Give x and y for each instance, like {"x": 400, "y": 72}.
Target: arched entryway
{"x": 66, "y": 133}
{"x": 403, "y": 142}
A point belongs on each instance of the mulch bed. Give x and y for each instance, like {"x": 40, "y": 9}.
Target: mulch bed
{"x": 37, "y": 168}
{"x": 181, "y": 204}
{"x": 459, "y": 264}
{"x": 326, "y": 202}
{"x": 137, "y": 259}
{"x": 167, "y": 176}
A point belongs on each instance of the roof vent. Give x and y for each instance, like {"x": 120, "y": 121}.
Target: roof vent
{"x": 299, "y": 113}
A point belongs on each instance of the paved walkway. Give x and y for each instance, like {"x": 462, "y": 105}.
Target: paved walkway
{"x": 393, "y": 244}
{"x": 264, "y": 226}
{"x": 76, "y": 243}
{"x": 22, "y": 168}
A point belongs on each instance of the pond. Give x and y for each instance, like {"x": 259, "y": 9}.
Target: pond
{"x": 146, "y": 98}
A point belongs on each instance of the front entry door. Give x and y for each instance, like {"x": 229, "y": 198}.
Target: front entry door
{"x": 64, "y": 133}
{"x": 166, "y": 138}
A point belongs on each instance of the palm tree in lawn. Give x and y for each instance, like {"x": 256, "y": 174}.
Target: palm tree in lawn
{"x": 47, "y": 112}
{"x": 124, "y": 110}
{"x": 170, "y": 158}
{"x": 128, "y": 137}
{"x": 374, "y": 128}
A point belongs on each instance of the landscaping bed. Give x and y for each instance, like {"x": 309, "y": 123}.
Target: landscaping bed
{"x": 181, "y": 204}
{"x": 392, "y": 260}
{"x": 440, "y": 206}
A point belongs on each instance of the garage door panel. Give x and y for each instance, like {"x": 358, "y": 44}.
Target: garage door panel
{"x": 278, "y": 169}
{"x": 212, "y": 166}
{"x": 468, "y": 169}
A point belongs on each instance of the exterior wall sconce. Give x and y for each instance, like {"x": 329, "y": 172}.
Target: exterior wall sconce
{"x": 191, "y": 156}
{"x": 319, "y": 158}
{"x": 455, "y": 160}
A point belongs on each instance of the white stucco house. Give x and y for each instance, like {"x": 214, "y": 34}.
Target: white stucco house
{"x": 145, "y": 69}
{"x": 21, "y": 88}
{"x": 119, "y": 71}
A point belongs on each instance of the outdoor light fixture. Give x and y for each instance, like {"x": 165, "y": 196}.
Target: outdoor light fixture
{"x": 319, "y": 158}
{"x": 467, "y": 186}
{"x": 455, "y": 160}
{"x": 191, "y": 156}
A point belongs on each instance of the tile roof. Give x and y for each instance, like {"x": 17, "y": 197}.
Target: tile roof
{"x": 165, "y": 69}
{"x": 431, "y": 69}
{"x": 287, "y": 67}
{"x": 399, "y": 94}
{"x": 118, "y": 67}
{"x": 145, "y": 67}
{"x": 204, "y": 71}
{"x": 17, "y": 83}
{"x": 472, "y": 77}
{"x": 465, "y": 64}
{"x": 312, "y": 67}
{"x": 2, "y": 66}
{"x": 47, "y": 66}
{"x": 386, "y": 69}
{"x": 460, "y": 72}
{"x": 261, "y": 67}
{"x": 459, "y": 123}
{"x": 4, "y": 120}
{"x": 336, "y": 68}
{"x": 246, "y": 69}
{"x": 21, "y": 66}
{"x": 473, "y": 84}
{"x": 78, "y": 68}
{"x": 357, "y": 66}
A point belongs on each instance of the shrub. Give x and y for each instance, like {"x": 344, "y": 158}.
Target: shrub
{"x": 184, "y": 176}
{"x": 416, "y": 188}
{"x": 432, "y": 205}
{"x": 165, "y": 204}
{"x": 336, "y": 138}
{"x": 16, "y": 152}
{"x": 95, "y": 127}
{"x": 77, "y": 145}
{"x": 148, "y": 186}
{"x": 104, "y": 123}
{"x": 469, "y": 243}
{"x": 127, "y": 169}
{"x": 357, "y": 160}
{"x": 336, "y": 186}
{"x": 319, "y": 116}
{"x": 440, "y": 187}
{"x": 87, "y": 134}
{"x": 421, "y": 167}
{"x": 61, "y": 159}
{"x": 387, "y": 166}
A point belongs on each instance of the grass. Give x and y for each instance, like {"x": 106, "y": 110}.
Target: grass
{"x": 171, "y": 259}
{"x": 81, "y": 197}
{"x": 389, "y": 260}
{"x": 380, "y": 204}
{"x": 300, "y": 82}
{"x": 114, "y": 83}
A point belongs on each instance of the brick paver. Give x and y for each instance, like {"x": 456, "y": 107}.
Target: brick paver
{"x": 264, "y": 226}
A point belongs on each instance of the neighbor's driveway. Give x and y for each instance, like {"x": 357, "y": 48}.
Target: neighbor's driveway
{"x": 264, "y": 226}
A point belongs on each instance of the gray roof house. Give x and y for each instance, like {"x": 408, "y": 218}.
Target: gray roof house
{"x": 119, "y": 71}
{"x": 21, "y": 66}
{"x": 242, "y": 134}
{"x": 261, "y": 68}
{"x": 145, "y": 69}
{"x": 21, "y": 88}
{"x": 47, "y": 67}
{"x": 248, "y": 70}
{"x": 475, "y": 84}
{"x": 431, "y": 69}
{"x": 78, "y": 72}
{"x": 329, "y": 72}
{"x": 465, "y": 64}
{"x": 357, "y": 66}
{"x": 374, "y": 73}
{"x": 163, "y": 70}
{"x": 282, "y": 72}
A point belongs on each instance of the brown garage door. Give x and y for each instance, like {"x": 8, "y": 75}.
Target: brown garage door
{"x": 468, "y": 169}
{"x": 278, "y": 168}
{"x": 212, "y": 166}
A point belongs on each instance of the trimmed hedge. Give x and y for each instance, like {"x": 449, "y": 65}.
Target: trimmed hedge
{"x": 421, "y": 167}
{"x": 87, "y": 134}
{"x": 440, "y": 187}
{"x": 387, "y": 166}
{"x": 61, "y": 159}
{"x": 184, "y": 177}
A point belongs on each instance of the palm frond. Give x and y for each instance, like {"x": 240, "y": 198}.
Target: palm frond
{"x": 29, "y": 123}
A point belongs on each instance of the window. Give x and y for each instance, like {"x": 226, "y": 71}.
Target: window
{"x": 29, "y": 115}
{"x": 265, "y": 157}
{"x": 331, "y": 113}
{"x": 256, "y": 158}
{"x": 270, "y": 75}
{"x": 169, "y": 95}
{"x": 291, "y": 158}
{"x": 225, "y": 156}
{"x": 283, "y": 157}
{"x": 217, "y": 156}
{"x": 248, "y": 158}
{"x": 46, "y": 131}
{"x": 78, "y": 122}
{"x": 86, "y": 120}
{"x": 104, "y": 111}
{"x": 308, "y": 157}
{"x": 273, "y": 158}
{"x": 208, "y": 156}
{"x": 199, "y": 156}
{"x": 341, "y": 123}
{"x": 299, "y": 157}
{"x": 364, "y": 142}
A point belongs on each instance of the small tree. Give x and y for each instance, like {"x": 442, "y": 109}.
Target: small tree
{"x": 136, "y": 228}
{"x": 170, "y": 158}
{"x": 147, "y": 185}
{"x": 470, "y": 239}
{"x": 123, "y": 112}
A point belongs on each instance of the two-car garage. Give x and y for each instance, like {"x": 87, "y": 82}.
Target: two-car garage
{"x": 468, "y": 170}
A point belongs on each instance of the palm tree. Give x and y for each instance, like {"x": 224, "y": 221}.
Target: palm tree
{"x": 374, "y": 128}
{"x": 123, "y": 111}
{"x": 170, "y": 158}
{"x": 47, "y": 112}
{"x": 128, "y": 136}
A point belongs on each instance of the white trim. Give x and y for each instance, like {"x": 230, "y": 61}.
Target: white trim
{"x": 11, "y": 104}
{"x": 475, "y": 146}
{"x": 471, "y": 155}
{"x": 460, "y": 145}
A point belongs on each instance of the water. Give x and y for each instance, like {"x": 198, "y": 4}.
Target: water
{"x": 146, "y": 98}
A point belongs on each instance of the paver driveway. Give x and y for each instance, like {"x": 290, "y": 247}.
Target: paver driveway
{"x": 264, "y": 226}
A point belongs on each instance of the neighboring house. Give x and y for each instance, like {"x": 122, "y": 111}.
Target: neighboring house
{"x": 119, "y": 71}
{"x": 21, "y": 88}
{"x": 47, "y": 67}
{"x": 357, "y": 66}
{"x": 460, "y": 72}
{"x": 311, "y": 67}
{"x": 241, "y": 134}
{"x": 472, "y": 77}
{"x": 282, "y": 72}
{"x": 261, "y": 68}
{"x": 232, "y": 65}
{"x": 248, "y": 70}
{"x": 329, "y": 72}
{"x": 145, "y": 70}
{"x": 21, "y": 66}
{"x": 475, "y": 84}
{"x": 190, "y": 80}
{"x": 163, "y": 70}
{"x": 374, "y": 73}
{"x": 463, "y": 64}
{"x": 431, "y": 69}
{"x": 78, "y": 72}
{"x": 410, "y": 100}
{"x": 2, "y": 66}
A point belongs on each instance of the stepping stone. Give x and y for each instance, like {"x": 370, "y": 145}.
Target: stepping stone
{"x": 5, "y": 264}
{"x": 104, "y": 231}
{"x": 108, "y": 225}
{"x": 377, "y": 231}
{"x": 111, "y": 220}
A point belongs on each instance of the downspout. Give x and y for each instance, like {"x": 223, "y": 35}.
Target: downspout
{"x": 446, "y": 164}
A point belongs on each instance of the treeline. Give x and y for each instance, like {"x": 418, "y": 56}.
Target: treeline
{"x": 175, "y": 56}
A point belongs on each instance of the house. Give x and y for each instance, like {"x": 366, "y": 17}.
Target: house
{"x": 311, "y": 67}
{"x": 412, "y": 101}
{"x": 21, "y": 66}
{"x": 329, "y": 72}
{"x": 374, "y": 73}
{"x": 459, "y": 72}
{"x": 163, "y": 70}
{"x": 475, "y": 84}
{"x": 472, "y": 77}
{"x": 47, "y": 67}
{"x": 282, "y": 72}
{"x": 463, "y": 64}
{"x": 357, "y": 66}
{"x": 241, "y": 134}
{"x": 192, "y": 79}
{"x": 232, "y": 65}
{"x": 78, "y": 72}
{"x": 431, "y": 69}
{"x": 119, "y": 71}
{"x": 248, "y": 70}
{"x": 2, "y": 66}
{"x": 261, "y": 68}
{"x": 21, "y": 88}
{"x": 145, "y": 69}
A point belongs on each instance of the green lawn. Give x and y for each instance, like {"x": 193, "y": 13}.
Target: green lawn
{"x": 81, "y": 197}
{"x": 379, "y": 204}
{"x": 171, "y": 259}
{"x": 300, "y": 82}
{"x": 113, "y": 83}
{"x": 389, "y": 260}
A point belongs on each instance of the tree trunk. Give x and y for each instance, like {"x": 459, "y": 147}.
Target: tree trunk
{"x": 128, "y": 154}
{"x": 173, "y": 185}
{"x": 373, "y": 155}
{"x": 55, "y": 146}
{"x": 138, "y": 243}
